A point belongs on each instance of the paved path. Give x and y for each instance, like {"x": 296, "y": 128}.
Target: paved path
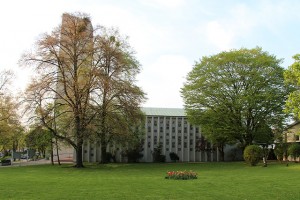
{"x": 28, "y": 162}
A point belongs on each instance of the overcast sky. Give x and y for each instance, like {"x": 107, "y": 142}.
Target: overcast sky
{"x": 167, "y": 35}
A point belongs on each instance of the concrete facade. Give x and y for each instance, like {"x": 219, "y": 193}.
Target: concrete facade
{"x": 169, "y": 128}
{"x": 292, "y": 132}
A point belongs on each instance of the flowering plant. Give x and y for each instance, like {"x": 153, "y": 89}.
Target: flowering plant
{"x": 181, "y": 175}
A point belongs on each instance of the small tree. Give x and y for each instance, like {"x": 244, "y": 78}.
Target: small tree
{"x": 252, "y": 154}
{"x": 280, "y": 150}
{"x": 294, "y": 150}
{"x": 134, "y": 154}
{"x": 174, "y": 157}
{"x": 39, "y": 138}
{"x": 157, "y": 154}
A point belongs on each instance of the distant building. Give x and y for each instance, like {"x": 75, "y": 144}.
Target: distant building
{"x": 169, "y": 128}
{"x": 291, "y": 135}
{"x": 292, "y": 132}
{"x": 82, "y": 28}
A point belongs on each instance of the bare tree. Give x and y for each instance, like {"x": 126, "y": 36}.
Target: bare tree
{"x": 5, "y": 79}
{"x": 65, "y": 77}
{"x": 85, "y": 81}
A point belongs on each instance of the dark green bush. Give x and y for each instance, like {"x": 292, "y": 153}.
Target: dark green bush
{"x": 157, "y": 154}
{"x": 5, "y": 161}
{"x": 174, "y": 157}
{"x": 252, "y": 154}
{"x": 134, "y": 155}
{"x": 294, "y": 150}
{"x": 280, "y": 150}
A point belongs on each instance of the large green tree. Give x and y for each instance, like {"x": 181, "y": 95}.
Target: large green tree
{"x": 236, "y": 96}
{"x": 292, "y": 78}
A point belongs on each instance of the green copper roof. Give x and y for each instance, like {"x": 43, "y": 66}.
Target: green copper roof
{"x": 172, "y": 112}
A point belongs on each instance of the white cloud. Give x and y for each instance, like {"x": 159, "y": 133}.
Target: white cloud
{"x": 243, "y": 20}
{"x": 144, "y": 35}
{"x": 224, "y": 32}
{"x": 219, "y": 36}
{"x": 163, "y": 79}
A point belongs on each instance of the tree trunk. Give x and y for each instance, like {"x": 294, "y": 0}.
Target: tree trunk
{"x": 51, "y": 153}
{"x": 56, "y": 144}
{"x": 222, "y": 154}
{"x": 103, "y": 153}
{"x": 79, "y": 160}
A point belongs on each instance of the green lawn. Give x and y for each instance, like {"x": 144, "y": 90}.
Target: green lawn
{"x": 146, "y": 181}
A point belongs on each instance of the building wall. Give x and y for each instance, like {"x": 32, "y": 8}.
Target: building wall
{"x": 292, "y": 133}
{"x": 174, "y": 134}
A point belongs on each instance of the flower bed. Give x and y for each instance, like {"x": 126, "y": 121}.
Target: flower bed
{"x": 181, "y": 175}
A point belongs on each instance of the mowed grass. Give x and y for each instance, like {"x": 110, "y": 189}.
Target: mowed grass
{"x": 146, "y": 181}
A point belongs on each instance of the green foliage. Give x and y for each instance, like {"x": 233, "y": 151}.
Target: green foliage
{"x": 11, "y": 130}
{"x": 157, "y": 154}
{"x": 253, "y": 154}
{"x": 294, "y": 150}
{"x": 173, "y": 156}
{"x": 134, "y": 155}
{"x": 292, "y": 78}
{"x": 280, "y": 150}
{"x": 236, "y": 96}
{"x": 39, "y": 139}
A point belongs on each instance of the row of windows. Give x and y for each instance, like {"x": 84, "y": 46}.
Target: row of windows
{"x": 179, "y": 149}
{"x": 173, "y": 137}
{"x": 173, "y": 143}
{"x": 179, "y": 124}
{"x": 173, "y": 129}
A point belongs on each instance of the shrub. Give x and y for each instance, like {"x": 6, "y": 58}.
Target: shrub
{"x": 5, "y": 161}
{"x": 109, "y": 157}
{"x": 279, "y": 150}
{"x": 157, "y": 156}
{"x": 294, "y": 150}
{"x": 173, "y": 156}
{"x": 134, "y": 156}
{"x": 252, "y": 154}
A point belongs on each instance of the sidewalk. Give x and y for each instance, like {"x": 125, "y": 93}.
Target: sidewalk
{"x": 24, "y": 162}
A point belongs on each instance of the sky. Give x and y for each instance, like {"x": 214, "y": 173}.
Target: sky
{"x": 168, "y": 36}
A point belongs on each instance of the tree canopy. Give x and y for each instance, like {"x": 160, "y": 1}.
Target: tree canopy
{"x": 236, "y": 95}
{"x": 292, "y": 78}
{"x": 11, "y": 130}
{"x": 83, "y": 73}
